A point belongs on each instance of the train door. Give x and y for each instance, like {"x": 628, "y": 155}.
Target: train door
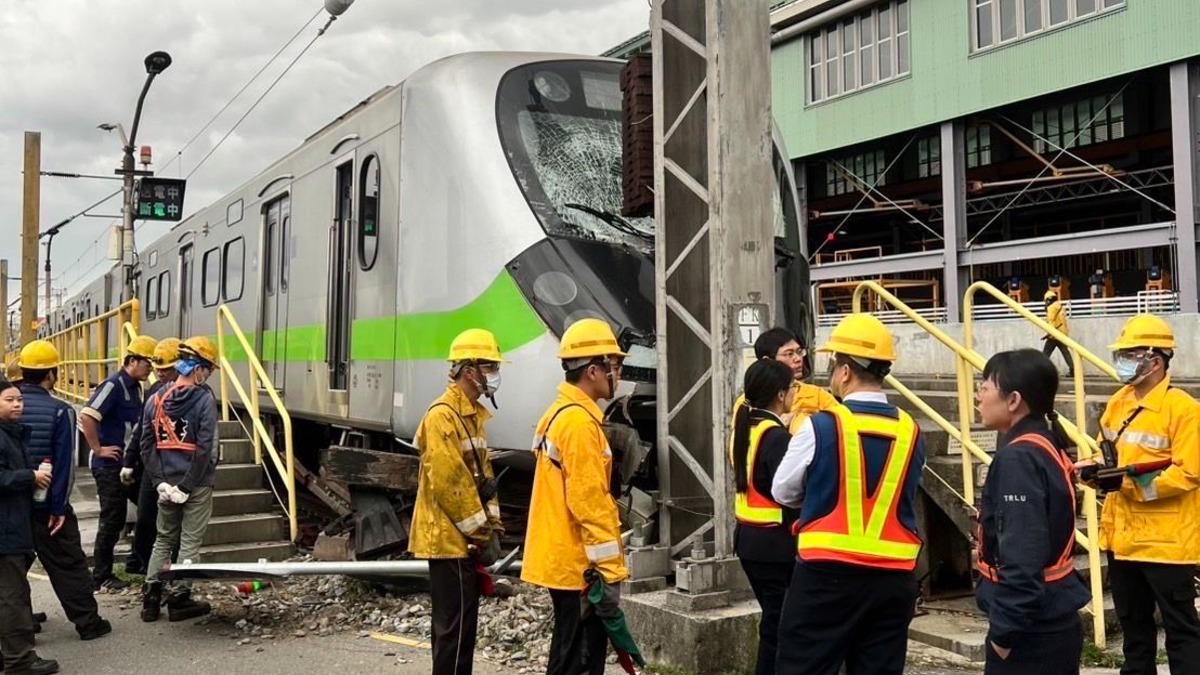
{"x": 337, "y": 336}
{"x": 187, "y": 270}
{"x": 273, "y": 336}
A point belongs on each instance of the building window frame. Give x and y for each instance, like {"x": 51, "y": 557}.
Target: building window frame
{"x": 1062, "y": 124}
{"x": 858, "y": 52}
{"x": 1029, "y": 18}
{"x": 870, "y": 167}
{"x": 929, "y": 157}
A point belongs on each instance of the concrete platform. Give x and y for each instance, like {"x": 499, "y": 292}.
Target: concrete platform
{"x": 708, "y": 642}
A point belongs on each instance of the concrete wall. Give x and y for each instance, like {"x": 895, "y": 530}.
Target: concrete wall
{"x": 920, "y": 353}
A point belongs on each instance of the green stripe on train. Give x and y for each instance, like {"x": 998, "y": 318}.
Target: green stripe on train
{"x": 414, "y": 337}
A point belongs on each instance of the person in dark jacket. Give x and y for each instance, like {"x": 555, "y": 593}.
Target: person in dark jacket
{"x": 56, "y": 535}
{"x": 17, "y": 485}
{"x": 1028, "y": 587}
{"x": 763, "y": 540}
{"x": 145, "y": 530}
{"x": 180, "y": 451}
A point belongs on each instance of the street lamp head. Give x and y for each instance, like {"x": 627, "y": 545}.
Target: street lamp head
{"x": 157, "y": 62}
{"x": 337, "y": 8}
{"x": 107, "y": 126}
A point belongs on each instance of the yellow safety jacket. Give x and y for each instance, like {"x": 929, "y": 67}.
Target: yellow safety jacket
{"x": 1056, "y": 316}
{"x": 1155, "y": 518}
{"x": 573, "y": 518}
{"x": 448, "y": 515}
{"x": 750, "y": 507}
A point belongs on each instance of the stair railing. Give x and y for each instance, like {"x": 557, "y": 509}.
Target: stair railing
{"x": 967, "y": 361}
{"x": 258, "y": 383}
{"x": 84, "y": 354}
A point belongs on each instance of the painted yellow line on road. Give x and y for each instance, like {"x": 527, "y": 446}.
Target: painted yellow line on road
{"x": 407, "y": 642}
{"x": 37, "y": 577}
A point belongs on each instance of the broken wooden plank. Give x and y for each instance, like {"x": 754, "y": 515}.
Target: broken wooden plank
{"x": 357, "y": 466}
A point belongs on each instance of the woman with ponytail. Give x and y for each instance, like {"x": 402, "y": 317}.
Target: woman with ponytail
{"x": 1027, "y": 586}
{"x": 763, "y": 538}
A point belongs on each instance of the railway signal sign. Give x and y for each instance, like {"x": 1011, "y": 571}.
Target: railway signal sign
{"x": 159, "y": 199}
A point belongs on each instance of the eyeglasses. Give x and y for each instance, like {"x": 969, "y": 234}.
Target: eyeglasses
{"x": 792, "y": 354}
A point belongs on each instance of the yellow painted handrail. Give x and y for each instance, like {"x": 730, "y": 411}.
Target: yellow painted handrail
{"x": 286, "y": 466}
{"x": 967, "y": 361}
{"x": 83, "y": 350}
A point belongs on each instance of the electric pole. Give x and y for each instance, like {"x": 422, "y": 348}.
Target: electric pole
{"x": 4, "y": 304}
{"x": 30, "y": 216}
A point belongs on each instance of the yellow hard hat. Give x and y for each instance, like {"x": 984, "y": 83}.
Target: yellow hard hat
{"x": 1145, "y": 330}
{"x": 861, "y": 335}
{"x": 166, "y": 352}
{"x": 588, "y": 338}
{"x": 143, "y": 346}
{"x": 12, "y": 372}
{"x": 474, "y": 344}
{"x": 199, "y": 347}
{"x": 38, "y": 355}
{"x": 1050, "y": 295}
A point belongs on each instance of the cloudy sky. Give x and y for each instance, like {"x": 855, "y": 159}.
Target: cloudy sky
{"x": 69, "y": 65}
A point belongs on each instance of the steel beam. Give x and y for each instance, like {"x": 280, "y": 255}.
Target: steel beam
{"x": 714, "y": 246}
{"x": 954, "y": 226}
{"x": 1078, "y": 243}
{"x": 1185, "y": 111}
{"x": 875, "y": 267}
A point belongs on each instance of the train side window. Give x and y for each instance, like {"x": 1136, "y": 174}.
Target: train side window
{"x": 285, "y": 250}
{"x": 233, "y": 282}
{"x": 368, "y": 213}
{"x": 233, "y": 213}
{"x": 152, "y": 298}
{"x": 210, "y": 282}
{"x": 164, "y": 294}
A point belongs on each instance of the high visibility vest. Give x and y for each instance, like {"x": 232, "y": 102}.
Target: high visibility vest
{"x": 865, "y": 530}
{"x": 166, "y": 436}
{"x": 1065, "y": 563}
{"x": 752, "y": 507}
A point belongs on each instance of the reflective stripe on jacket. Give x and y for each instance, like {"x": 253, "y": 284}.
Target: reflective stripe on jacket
{"x": 750, "y": 506}
{"x": 863, "y": 528}
{"x": 573, "y": 518}
{"x": 448, "y": 515}
{"x": 1156, "y": 518}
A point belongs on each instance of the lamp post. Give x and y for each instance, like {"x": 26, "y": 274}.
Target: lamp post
{"x": 156, "y": 63}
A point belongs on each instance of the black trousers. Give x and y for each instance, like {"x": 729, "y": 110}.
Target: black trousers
{"x": 579, "y": 645}
{"x": 831, "y": 617}
{"x": 65, "y": 563}
{"x": 1054, "y": 652}
{"x": 16, "y": 614}
{"x": 1137, "y": 587}
{"x": 113, "y": 509}
{"x": 770, "y": 583}
{"x": 1051, "y": 345}
{"x": 454, "y": 590}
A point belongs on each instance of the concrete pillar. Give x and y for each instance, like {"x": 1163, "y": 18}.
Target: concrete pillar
{"x": 1185, "y": 124}
{"x": 954, "y": 224}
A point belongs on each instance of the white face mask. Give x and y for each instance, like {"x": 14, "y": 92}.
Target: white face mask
{"x": 491, "y": 383}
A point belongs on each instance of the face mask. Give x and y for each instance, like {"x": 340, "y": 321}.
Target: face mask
{"x": 1127, "y": 371}
{"x": 491, "y": 383}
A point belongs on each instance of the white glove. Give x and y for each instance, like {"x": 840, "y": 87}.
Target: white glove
{"x": 127, "y": 476}
{"x": 164, "y": 492}
{"x": 178, "y": 496}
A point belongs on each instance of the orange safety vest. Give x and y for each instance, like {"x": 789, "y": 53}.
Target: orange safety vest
{"x": 752, "y": 507}
{"x": 166, "y": 436}
{"x": 1065, "y": 564}
{"x": 865, "y": 530}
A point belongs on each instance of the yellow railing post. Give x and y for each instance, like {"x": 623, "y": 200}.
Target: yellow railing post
{"x": 224, "y": 370}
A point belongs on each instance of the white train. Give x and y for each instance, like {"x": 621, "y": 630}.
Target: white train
{"x": 483, "y": 191}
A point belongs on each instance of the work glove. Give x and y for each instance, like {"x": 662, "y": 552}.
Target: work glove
{"x": 178, "y": 496}
{"x": 609, "y": 605}
{"x": 164, "y": 492}
{"x": 127, "y": 476}
{"x": 488, "y": 555}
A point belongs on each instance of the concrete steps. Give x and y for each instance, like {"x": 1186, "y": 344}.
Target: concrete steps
{"x": 247, "y": 523}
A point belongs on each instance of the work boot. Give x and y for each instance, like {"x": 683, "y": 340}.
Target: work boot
{"x": 43, "y": 667}
{"x": 39, "y": 617}
{"x": 181, "y": 607}
{"x": 151, "y": 601}
{"x": 100, "y": 628}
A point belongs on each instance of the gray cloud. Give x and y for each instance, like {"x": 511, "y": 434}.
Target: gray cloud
{"x": 68, "y": 65}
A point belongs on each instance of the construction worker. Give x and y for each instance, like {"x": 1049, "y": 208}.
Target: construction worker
{"x": 573, "y": 525}
{"x": 17, "y": 486}
{"x": 56, "y": 538}
{"x": 1151, "y": 524}
{"x": 763, "y": 538}
{"x": 1027, "y": 512}
{"x": 114, "y": 408}
{"x": 784, "y": 346}
{"x": 166, "y": 355}
{"x": 853, "y": 471}
{"x": 1056, "y": 316}
{"x": 456, "y": 518}
{"x": 179, "y": 447}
